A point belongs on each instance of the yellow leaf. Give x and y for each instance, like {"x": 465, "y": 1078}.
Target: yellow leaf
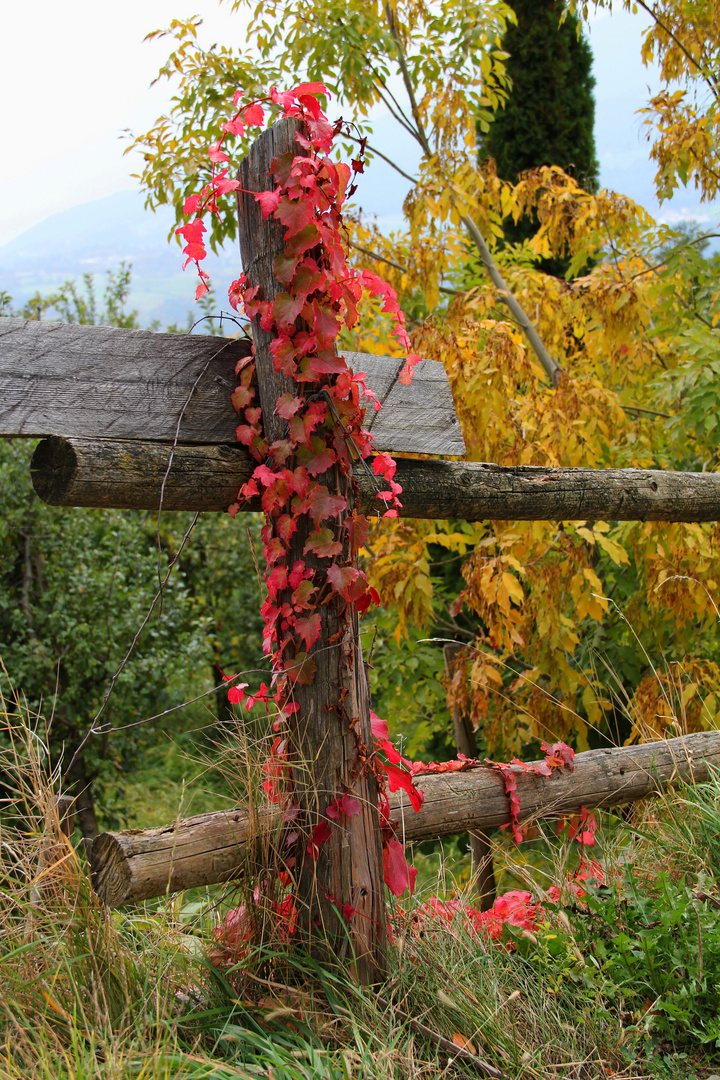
{"x": 513, "y": 587}
{"x": 617, "y": 552}
{"x": 424, "y": 585}
{"x": 590, "y": 575}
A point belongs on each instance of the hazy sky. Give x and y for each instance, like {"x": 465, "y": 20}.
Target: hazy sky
{"x": 75, "y": 74}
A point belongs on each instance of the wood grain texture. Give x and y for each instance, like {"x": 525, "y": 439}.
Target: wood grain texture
{"x": 261, "y": 241}
{"x": 139, "y": 864}
{"x": 96, "y": 381}
{"x": 101, "y": 382}
{"x": 128, "y": 474}
{"x": 412, "y": 417}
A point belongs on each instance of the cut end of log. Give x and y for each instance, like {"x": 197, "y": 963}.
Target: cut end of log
{"x": 138, "y": 864}
{"x": 111, "y": 876}
{"x": 52, "y": 468}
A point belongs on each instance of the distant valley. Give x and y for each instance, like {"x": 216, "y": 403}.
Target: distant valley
{"x": 96, "y": 237}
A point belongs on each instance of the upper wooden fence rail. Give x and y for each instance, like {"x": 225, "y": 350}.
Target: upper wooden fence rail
{"x": 130, "y": 473}
{"x": 101, "y": 382}
{"x": 112, "y": 400}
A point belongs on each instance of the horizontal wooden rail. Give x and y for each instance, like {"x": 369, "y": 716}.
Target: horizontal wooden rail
{"x": 143, "y": 863}
{"x": 129, "y": 474}
{"x": 108, "y": 383}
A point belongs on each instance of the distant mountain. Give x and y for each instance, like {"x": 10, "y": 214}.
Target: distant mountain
{"x": 96, "y": 237}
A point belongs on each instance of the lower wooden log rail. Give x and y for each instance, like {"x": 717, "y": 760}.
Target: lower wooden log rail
{"x": 140, "y": 864}
{"x": 128, "y": 474}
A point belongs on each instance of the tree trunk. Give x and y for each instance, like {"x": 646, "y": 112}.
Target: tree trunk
{"x": 339, "y": 884}
{"x": 80, "y": 786}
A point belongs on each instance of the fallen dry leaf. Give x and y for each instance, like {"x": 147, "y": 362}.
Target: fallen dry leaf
{"x": 462, "y": 1043}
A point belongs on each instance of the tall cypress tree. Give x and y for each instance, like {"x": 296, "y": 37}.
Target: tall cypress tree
{"x": 550, "y": 113}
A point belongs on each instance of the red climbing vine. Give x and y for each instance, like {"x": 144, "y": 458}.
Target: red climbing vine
{"x": 324, "y": 416}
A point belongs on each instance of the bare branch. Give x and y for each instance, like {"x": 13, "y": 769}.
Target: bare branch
{"x": 420, "y": 133}
{"x": 400, "y": 119}
{"x": 402, "y": 269}
{"x": 551, "y": 367}
{"x": 374, "y": 150}
{"x": 712, "y": 83}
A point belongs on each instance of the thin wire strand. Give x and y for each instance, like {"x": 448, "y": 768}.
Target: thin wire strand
{"x": 128, "y": 654}
{"x": 176, "y": 439}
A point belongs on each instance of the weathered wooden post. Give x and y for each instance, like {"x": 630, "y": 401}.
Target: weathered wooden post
{"x": 339, "y": 884}
{"x": 480, "y": 850}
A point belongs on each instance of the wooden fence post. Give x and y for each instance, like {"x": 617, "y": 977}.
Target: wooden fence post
{"x": 330, "y": 735}
{"x": 59, "y": 820}
{"x": 480, "y": 850}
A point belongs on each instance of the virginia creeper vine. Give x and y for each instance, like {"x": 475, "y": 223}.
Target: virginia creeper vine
{"x": 324, "y": 429}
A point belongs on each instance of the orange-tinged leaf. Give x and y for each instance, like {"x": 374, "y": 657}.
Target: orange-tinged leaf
{"x": 463, "y": 1043}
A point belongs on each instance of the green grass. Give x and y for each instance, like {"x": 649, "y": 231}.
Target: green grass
{"x": 620, "y": 983}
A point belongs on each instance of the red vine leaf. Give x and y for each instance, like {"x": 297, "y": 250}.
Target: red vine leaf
{"x": 320, "y": 835}
{"x": 241, "y": 397}
{"x": 323, "y": 544}
{"x": 398, "y": 875}
{"x": 253, "y": 115}
{"x": 357, "y": 527}
{"x": 379, "y": 727}
{"x": 284, "y": 268}
{"x": 302, "y": 595}
{"x": 237, "y": 693}
{"x": 344, "y": 804}
{"x": 285, "y": 527}
{"x": 295, "y": 215}
{"x": 285, "y": 309}
{"x": 302, "y": 241}
{"x": 317, "y": 457}
{"x": 398, "y": 778}
{"x": 342, "y": 578}
{"x": 321, "y": 505}
{"x": 284, "y": 354}
{"x": 309, "y": 629}
{"x": 300, "y": 572}
{"x": 559, "y": 755}
{"x": 288, "y": 405}
{"x": 585, "y": 836}
{"x": 301, "y": 669}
